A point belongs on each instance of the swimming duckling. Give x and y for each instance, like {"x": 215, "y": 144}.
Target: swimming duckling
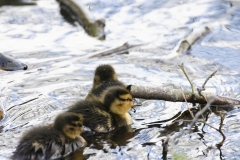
{"x": 53, "y": 141}
{"x": 104, "y": 78}
{"x": 112, "y": 113}
{"x": 104, "y": 73}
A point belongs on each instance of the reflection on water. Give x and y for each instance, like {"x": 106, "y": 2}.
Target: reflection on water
{"x": 59, "y": 73}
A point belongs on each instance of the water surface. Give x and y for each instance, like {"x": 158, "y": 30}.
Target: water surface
{"x": 59, "y": 75}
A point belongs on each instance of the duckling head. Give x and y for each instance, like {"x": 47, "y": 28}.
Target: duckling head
{"x": 104, "y": 73}
{"x": 118, "y": 100}
{"x": 70, "y": 124}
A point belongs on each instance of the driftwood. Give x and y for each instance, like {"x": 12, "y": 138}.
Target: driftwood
{"x": 9, "y": 64}
{"x": 175, "y": 95}
{"x": 76, "y": 12}
{"x": 186, "y": 43}
{"x": 116, "y": 51}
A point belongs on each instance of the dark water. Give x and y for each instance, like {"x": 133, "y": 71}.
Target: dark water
{"x": 58, "y": 75}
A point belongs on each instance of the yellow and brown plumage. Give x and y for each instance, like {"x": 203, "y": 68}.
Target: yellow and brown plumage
{"x": 52, "y": 141}
{"x": 105, "y": 77}
{"x": 112, "y": 113}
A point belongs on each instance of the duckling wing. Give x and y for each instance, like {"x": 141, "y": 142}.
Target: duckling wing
{"x": 94, "y": 114}
{"x": 39, "y": 144}
{"x": 97, "y": 91}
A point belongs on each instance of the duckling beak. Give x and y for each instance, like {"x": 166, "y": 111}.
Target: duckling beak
{"x": 9, "y": 64}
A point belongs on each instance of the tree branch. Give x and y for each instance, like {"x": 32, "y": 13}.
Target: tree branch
{"x": 175, "y": 95}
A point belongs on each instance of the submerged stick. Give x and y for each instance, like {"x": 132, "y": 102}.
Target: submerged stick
{"x": 222, "y": 117}
{"x": 78, "y": 13}
{"x": 175, "y": 95}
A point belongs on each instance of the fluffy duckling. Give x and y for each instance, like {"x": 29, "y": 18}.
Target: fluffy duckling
{"x": 53, "y": 141}
{"x": 105, "y": 77}
{"x": 9, "y": 64}
{"x": 112, "y": 113}
{"x": 104, "y": 73}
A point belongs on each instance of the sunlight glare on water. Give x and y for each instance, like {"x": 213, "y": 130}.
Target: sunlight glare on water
{"x": 59, "y": 73}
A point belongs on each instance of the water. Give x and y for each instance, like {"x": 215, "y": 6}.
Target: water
{"x": 59, "y": 75}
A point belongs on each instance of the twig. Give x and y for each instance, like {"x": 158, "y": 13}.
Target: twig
{"x": 222, "y": 116}
{"x": 203, "y": 86}
{"x": 165, "y": 148}
{"x": 213, "y": 74}
{"x": 118, "y": 50}
{"x": 185, "y": 73}
{"x": 199, "y": 113}
{"x": 187, "y": 104}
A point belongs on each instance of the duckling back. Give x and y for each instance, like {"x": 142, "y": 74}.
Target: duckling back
{"x": 105, "y": 77}
{"x": 48, "y": 142}
{"x": 38, "y": 144}
{"x": 95, "y": 115}
{"x": 104, "y": 73}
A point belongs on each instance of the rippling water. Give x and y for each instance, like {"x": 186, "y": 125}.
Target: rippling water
{"x": 59, "y": 75}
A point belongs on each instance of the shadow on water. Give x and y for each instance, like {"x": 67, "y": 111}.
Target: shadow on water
{"x": 110, "y": 142}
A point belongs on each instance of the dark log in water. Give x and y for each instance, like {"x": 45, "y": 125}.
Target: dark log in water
{"x": 175, "y": 95}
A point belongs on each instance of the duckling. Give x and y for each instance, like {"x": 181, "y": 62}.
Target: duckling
{"x": 112, "y": 113}
{"x": 9, "y": 64}
{"x": 105, "y": 77}
{"x": 118, "y": 101}
{"x": 95, "y": 115}
{"x": 104, "y": 73}
{"x": 52, "y": 141}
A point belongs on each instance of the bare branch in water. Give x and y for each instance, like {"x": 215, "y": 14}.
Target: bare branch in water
{"x": 222, "y": 116}
{"x": 118, "y": 50}
{"x": 203, "y": 86}
{"x": 175, "y": 95}
{"x": 187, "y": 104}
{"x": 186, "y": 43}
{"x": 165, "y": 148}
{"x": 185, "y": 73}
{"x": 199, "y": 113}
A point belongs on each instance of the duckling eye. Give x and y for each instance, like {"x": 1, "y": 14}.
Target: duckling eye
{"x": 72, "y": 129}
{"x": 127, "y": 99}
